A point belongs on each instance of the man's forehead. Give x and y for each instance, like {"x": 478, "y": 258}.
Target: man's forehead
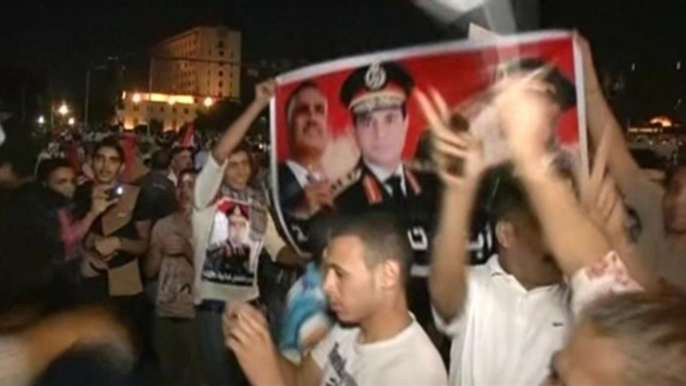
{"x": 344, "y": 250}
{"x": 107, "y": 152}
{"x": 379, "y": 111}
{"x": 310, "y": 95}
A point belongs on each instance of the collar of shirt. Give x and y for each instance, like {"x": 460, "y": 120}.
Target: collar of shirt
{"x": 382, "y": 175}
{"x": 301, "y": 174}
{"x": 496, "y": 271}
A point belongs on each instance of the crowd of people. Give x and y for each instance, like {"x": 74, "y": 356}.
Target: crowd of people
{"x": 174, "y": 271}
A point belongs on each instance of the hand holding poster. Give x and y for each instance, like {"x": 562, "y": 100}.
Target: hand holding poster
{"x": 349, "y": 136}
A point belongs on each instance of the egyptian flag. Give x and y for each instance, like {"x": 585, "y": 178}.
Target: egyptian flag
{"x": 134, "y": 168}
{"x": 187, "y": 138}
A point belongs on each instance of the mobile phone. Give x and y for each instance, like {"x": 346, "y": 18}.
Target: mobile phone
{"x": 115, "y": 192}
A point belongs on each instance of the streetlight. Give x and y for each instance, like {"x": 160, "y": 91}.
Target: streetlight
{"x": 208, "y": 102}
{"x": 63, "y": 110}
{"x": 71, "y": 121}
{"x": 41, "y": 120}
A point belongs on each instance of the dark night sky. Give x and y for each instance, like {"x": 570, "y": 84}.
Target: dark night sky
{"x": 59, "y": 38}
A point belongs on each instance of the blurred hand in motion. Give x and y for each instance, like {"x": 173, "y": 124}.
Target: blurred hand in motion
{"x": 317, "y": 195}
{"x": 246, "y": 333}
{"x": 457, "y": 153}
{"x": 522, "y": 103}
{"x": 86, "y": 327}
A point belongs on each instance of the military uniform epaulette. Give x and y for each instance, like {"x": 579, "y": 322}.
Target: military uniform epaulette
{"x": 346, "y": 181}
{"x": 419, "y": 166}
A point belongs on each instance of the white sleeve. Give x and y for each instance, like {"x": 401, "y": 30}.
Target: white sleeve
{"x": 456, "y": 325}
{"x": 208, "y": 182}
{"x": 14, "y": 363}
{"x": 608, "y": 276}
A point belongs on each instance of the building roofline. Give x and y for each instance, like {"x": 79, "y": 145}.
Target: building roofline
{"x": 185, "y": 33}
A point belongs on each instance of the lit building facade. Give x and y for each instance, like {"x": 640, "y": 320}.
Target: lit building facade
{"x": 203, "y": 61}
{"x": 172, "y": 111}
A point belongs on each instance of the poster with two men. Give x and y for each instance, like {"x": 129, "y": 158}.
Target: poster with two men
{"x": 349, "y": 136}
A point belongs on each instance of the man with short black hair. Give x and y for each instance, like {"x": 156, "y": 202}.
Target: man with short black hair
{"x": 58, "y": 175}
{"x": 118, "y": 237}
{"x": 366, "y": 266}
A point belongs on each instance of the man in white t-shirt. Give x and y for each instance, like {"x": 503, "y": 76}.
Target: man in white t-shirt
{"x": 508, "y": 318}
{"x": 377, "y": 342}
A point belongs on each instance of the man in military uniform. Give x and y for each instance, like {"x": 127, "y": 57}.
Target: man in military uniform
{"x": 376, "y": 97}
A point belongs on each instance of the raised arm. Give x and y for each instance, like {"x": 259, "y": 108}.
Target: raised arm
{"x": 210, "y": 177}
{"x": 235, "y": 133}
{"x": 448, "y": 275}
{"x": 573, "y": 237}
{"x": 602, "y": 122}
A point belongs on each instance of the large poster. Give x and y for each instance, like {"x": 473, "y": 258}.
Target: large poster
{"x": 349, "y": 136}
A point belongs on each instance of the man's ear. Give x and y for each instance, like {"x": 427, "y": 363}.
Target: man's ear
{"x": 505, "y": 233}
{"x": 390, "y": 274}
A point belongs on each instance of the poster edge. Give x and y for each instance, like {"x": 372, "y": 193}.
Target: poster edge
{"x": 463, "y": 45}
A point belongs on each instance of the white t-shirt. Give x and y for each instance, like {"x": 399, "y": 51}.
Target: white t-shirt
{"x": 506, "y": 335}
{"x": 226, "y": 256}
{"x": 408, "y": 358}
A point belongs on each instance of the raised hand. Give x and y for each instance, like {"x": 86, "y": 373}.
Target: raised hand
{"x": 522, "y": 104}
{"x": 265, "y": 91}
{"x": 100, "y": 201}
{"x": 457, "y": 153}
{"x": 246, "y": 333}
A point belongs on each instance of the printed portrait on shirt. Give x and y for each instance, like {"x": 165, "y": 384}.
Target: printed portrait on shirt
{"x": 230, "y": 252}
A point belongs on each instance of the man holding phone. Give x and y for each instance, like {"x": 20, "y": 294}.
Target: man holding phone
{"x": 117, "y": 238}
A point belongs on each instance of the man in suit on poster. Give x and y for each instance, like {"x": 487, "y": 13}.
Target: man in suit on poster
{"x": 303, "y": 185}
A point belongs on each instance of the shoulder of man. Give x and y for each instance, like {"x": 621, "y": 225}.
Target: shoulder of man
{"x": 348, "y": 180}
